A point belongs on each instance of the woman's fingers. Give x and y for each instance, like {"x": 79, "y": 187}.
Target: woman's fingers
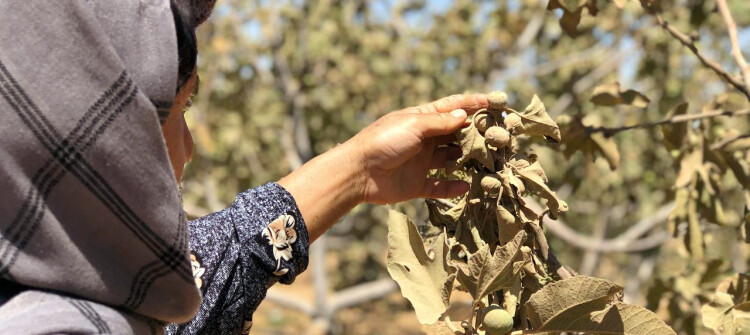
{"x": 442, "y": 155}
{"x": 436, "y": 124}
{"x": 468, "y": 102}
{"x": 438, "y": 188}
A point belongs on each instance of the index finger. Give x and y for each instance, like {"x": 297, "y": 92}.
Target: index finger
{"x": 471, "y": 103}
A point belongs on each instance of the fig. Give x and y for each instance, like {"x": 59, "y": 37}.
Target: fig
{"x": 497, "y": 137}
{"x": 483, "y": 120}
{"x": 497, "y": 100}
{"x": 497, "y": 321}
{"x": 491, "y": 184}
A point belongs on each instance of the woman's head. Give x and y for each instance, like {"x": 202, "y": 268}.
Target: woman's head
{"x": 188, "y": 14}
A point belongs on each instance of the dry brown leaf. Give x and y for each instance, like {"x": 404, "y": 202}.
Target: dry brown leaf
{"x": 675, "y": 134}
{"x": 729, "y": 312}
{"x": 536, "y": 121}
{"x": 426, "y": 282}
{"x": 611, "y": 95}
{"x": 473, "y": 146}
{"x": 569, "y": 299}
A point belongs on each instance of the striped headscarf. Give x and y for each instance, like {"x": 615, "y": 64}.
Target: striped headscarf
{"x": 89, "y": 206}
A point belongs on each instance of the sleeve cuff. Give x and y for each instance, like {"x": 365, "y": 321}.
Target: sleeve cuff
{"x": 271, "y": 232}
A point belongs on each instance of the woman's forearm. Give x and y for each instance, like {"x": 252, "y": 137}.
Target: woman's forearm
{"x": 327, "y": 187}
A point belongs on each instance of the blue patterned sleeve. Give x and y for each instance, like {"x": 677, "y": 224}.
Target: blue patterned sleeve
{"x": 238, "y": 253}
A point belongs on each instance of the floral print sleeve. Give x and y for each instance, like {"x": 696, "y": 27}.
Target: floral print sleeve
{"x": 238, "y": 253}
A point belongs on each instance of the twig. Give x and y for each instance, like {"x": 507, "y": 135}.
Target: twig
{"x": 362, "y": 293}
{"x": 625, "y": 242}
{"x": 711, "y": 64}
{"x": 608, "y": 132}
{"x": 290, "y": 302}
{"x": 736, "y": 52}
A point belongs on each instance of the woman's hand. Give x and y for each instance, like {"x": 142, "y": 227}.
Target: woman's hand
{"x": 386, "y": 162}
{"x": 398, "y": 150}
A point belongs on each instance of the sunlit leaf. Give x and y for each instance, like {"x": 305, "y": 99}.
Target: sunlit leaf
{"x": 426, "y": 282}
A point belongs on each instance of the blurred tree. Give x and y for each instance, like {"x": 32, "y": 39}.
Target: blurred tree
{"x": 283, "y": 81}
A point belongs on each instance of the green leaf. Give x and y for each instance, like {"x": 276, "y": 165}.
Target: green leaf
{"x": 611, "y": 95}
{"x": 425, "y": 281}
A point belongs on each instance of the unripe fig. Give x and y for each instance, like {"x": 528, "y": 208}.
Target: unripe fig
{"x": 497, "y": 100}
{"x": 497, "y": 321}
{"x": 497, "y": 137}
{"x": 483, "y": 120}
{"x": 491, "y": 184}
{"x": 512, "y": 120}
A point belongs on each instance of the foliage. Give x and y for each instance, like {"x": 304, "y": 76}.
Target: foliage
{"x": 283, "y": 81}
{"x": 495, "y": 243}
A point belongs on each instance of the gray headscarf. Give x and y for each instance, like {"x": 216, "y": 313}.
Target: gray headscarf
{"x": 89, "y": 206}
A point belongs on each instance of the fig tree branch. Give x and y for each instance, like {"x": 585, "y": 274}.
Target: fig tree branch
{"x": 736, "y": 52}
{"x": 672, "y": 120}
{"x": 711, "y": 64}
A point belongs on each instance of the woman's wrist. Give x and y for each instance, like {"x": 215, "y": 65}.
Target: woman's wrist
{"x": 328, "y": 186}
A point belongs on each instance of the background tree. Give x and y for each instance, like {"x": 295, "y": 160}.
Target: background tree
{"x": 658, "y": 207}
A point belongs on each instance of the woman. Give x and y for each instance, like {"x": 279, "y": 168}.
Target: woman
{"x": 92, "y": 235}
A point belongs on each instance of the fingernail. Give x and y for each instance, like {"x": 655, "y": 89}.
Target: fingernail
{"x": 458, "y": 113}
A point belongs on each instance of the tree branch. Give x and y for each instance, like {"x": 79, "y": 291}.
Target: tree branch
{"x": 736, "y": 52}
{"x": 711, "y": 64}
{"x": 608, "y": 132}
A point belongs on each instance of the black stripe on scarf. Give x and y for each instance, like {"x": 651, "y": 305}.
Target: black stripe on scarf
{"x": 90, "y": 314}
{"x": 45, "y": 179}
{"x": 148, "y": 274}
{"x": 89, "y": 177}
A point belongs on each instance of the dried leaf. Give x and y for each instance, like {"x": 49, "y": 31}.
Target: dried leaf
{"x": 536, "y": 182}
{"x": 675, "y": 134}
{"x": 474, "y": 146}
{"x": 507, "y": 223}
{"x": 732, "y": 141}
{"x": 729, "y": 311}
{"x": 426, "y": 282}
{"x": 486, "y": 273}
{"x": 566, "y": 300}
{"x": 584, "y": 304}
{"x": 536, "y": 121}
{"x": 569, "y": 22}
{"x": 611, "y": 95}
{"x": 500, "y": 271}
{"x": 468, "y": 274}
{"x": 448, "y": 218}
{"x": 512, "y": 295}
{"x": 622, "y": 319}
{"x": 577, "y": 138}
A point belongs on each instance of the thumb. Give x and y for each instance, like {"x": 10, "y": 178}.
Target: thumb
{"x": 437, "y": 124}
